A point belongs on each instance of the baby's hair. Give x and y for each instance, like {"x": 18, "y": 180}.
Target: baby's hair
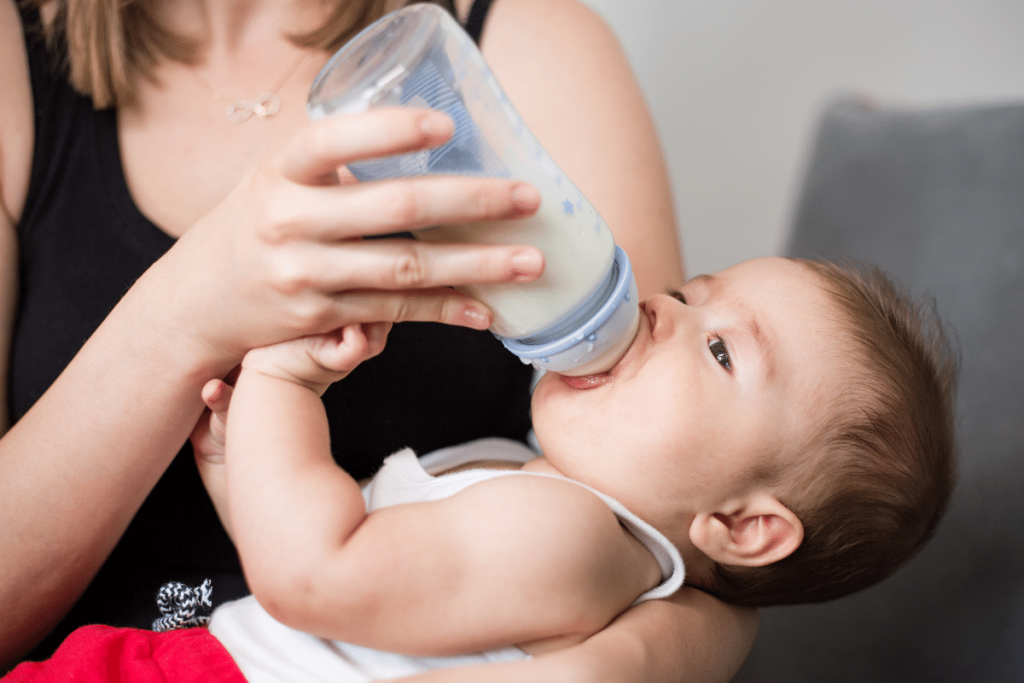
{"x": 881, "y": 467}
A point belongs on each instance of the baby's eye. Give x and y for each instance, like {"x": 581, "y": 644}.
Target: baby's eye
{"x": 721, "y": 354}
{"x": 676, "y": 294}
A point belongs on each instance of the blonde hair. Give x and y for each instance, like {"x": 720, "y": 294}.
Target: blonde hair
{"x": 107, "y": 44}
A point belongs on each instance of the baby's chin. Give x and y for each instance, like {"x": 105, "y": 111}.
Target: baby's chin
{"x": 556, "y": 403}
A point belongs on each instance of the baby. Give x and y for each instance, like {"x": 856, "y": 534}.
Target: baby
{"x": 782, "y": 428}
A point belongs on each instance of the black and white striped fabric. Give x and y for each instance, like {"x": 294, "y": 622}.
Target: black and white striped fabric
{"x": 183, "y": 606}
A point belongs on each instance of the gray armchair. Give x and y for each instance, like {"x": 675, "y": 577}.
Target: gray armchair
{"x": 936, "y": 198}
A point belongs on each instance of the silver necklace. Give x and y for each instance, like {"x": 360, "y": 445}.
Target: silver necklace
{"x": 263, "y": 106}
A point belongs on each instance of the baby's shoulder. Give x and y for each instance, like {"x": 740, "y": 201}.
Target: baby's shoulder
{"x": 566, "y": 522}
{"x": 561, "y": 540}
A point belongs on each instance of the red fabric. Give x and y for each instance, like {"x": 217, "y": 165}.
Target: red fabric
{"x": 103, "y": 654}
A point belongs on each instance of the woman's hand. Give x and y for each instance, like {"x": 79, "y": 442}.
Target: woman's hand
{"x": 282, "y": 256}
{"x": 279, "y": 258}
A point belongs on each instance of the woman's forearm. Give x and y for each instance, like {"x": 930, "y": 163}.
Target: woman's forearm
{"x": 78, "y": 465}
{"x": 689, "y": 638}
{"x": 75, "y": 469}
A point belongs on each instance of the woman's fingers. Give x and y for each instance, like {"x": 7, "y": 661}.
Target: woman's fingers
{"x": 436, "y": 305}
{"x": 403, "y": 265}
{"x": 336, "y": 212}
{"x": 384, "y": 207}
{"x": 324, "y": 280}
{"x": 339, "y": 211}
{"x": 320, "y": 148}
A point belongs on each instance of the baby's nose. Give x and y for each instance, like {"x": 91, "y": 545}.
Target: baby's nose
{"x": 662, "y": 310}
{"x": 663, "y": 302}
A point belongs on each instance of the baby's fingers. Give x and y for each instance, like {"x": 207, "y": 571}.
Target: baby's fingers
{"x": 217, "y": 395}
{"x": 208, "y": 438}
{"x": 376, "y": 337}
{"x": 344, "y": 349}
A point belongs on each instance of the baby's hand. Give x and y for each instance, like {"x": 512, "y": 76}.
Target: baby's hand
{"x": 319, "y": 360}
{"x": 208, "y": 435}
{"x": 208, "y": 444}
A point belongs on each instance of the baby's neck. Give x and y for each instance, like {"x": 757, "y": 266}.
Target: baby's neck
{"x": 542, "y": 465}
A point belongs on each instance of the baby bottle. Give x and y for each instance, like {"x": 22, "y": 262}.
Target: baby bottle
{"x": 581, "y": 315}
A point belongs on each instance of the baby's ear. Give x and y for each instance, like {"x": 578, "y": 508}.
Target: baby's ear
{"x": 754, "y": 532}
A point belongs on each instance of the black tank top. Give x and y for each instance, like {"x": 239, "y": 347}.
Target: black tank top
{"x": 83, "y": 242}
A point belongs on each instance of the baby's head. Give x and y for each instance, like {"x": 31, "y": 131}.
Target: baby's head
{"x": 787, "y": 424}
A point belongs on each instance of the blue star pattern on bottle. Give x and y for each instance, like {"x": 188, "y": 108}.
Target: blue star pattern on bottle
{"x": 567, "y": 205}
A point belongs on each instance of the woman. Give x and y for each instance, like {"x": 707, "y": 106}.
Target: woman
{"x": 230, "y": 232}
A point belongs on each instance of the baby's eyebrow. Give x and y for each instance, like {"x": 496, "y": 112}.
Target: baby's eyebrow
{"x": 707, "y": 280}
{"x": 765, "y": 346}
{"x": 763, "y": 339}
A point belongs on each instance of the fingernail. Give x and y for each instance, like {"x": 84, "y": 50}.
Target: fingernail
{"x": 477, "y": 318}
{"x": 527, "y": 264}
{"x": 436, "y": 124}
{"x": 526, "y": 197}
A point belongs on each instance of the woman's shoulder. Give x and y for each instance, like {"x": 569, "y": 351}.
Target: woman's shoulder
{"x": 564, "y": 70}
{"x": 544, "y": 11}
{"x": 565, "y": 29}
{"x": 16, "y": 121}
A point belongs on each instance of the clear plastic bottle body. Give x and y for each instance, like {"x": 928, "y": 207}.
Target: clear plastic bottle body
{"x": 421, "y": 57}
{"x": 575, "y": 267}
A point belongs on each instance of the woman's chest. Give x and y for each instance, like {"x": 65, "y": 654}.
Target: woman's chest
{"x": 181, "y": 154}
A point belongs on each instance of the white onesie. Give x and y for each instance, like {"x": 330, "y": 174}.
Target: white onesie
{"x": 266, "y": 651}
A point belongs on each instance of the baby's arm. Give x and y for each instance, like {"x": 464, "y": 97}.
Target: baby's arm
{"x": 314, "y": 361}
{"x": 511, "y": 560}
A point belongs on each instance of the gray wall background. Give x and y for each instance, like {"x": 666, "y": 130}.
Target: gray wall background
{"x": 736, "y": 88}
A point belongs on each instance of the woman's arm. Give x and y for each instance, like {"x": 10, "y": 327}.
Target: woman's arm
{"x": 566, "y": 74}
{"x": 277, "y": 258}
{"x": 689, "y": 638}
{"x": 15, "y": 163}
{"x": 271, "y": 262}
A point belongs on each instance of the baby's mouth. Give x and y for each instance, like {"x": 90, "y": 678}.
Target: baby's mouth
{"x": 582, "y": 382}
{"x": 586, "y": 381}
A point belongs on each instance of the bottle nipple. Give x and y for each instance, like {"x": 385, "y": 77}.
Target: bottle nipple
{"x": 595, "y": 342}
{"x": 611, "y": 355}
